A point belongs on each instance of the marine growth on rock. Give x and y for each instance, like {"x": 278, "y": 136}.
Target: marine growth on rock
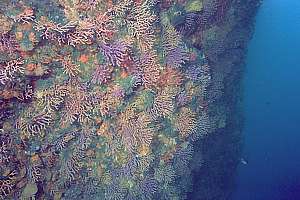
{"x": 104, "y": 99}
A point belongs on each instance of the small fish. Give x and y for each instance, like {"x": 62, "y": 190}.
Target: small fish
{"x": 244, "y": 162}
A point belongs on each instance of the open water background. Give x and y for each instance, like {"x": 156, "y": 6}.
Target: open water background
{"x": 272, "y": 106}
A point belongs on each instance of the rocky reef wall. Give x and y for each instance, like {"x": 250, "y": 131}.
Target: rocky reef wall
{"x": 121, "y": 99}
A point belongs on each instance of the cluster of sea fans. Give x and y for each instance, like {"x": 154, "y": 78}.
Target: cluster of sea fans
{"x": 115, "y": 99}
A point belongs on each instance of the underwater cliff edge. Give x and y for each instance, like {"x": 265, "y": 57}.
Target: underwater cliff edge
{"x": 121, "y": 99}
{"x": 222, "y": 150}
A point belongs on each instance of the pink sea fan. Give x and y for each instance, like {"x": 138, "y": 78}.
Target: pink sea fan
{"x": 188, "y": 25}
{"x": 114, "y": 53}
{"x": 8, "y": 43}
{"x": 104, "y": 27}
{"x": 148, "y": 187}
{"x": 182, "y": 99}
{"x": 163, "y": 105}
{"x": 136, "y": 131}
{"x": 9, "y": 69}
{"x": 25, "y": 16}
{"x": 203, "y": 127}
{"x": 102, "y": 74}
{"x": 118, "y": 92}
{"x": 177, "y": 57}
{"x": 149, "y": 69}
{"x": 182, "y": 158}
{"x": 5, "y": 145}
{"x": 129, "y": 137}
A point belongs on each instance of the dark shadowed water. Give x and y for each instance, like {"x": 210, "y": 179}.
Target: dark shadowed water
{"x": 272, "y": 110}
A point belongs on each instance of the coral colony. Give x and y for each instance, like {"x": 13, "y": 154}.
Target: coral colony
{"x": 102, "y": 99}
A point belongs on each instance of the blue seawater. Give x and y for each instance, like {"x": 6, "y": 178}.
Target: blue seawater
{"x": 272, "y": 111}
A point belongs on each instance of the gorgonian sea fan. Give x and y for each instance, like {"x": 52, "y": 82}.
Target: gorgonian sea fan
{"x": 150, "y": 69}
{"x": 118, "y": 92}
{"x": 114, "y": 53}
{"x": 104, "y": 26}
{"x": 165, "y": 174}
{"x": 163, "y": 105}
{"x": 129, "y": 169}
{"x": 176, "y": 57}
{"x": 136, "y": 132}
{"x": 170, "y": 77}
{"x": 5, "y": 145}
{"x": 114, "y": 192}
{"x": 129, "y": 137}
{"x": 182, "y": 98}
{"x": 145, "y": 131}
{"x": 112, "y": 122}
{"x": 143, "y": 20}
{"x": 69, "y": 67}
{"x": 71, "y": 167}
{"x": 186, "y": 122}
{"x": 7, "y": 183}
{"x": 203, "y": 127}
{"x": 148, "y": 187}
{"x": 182, "y": 158}
{"x": 37, "y": 125}
{"x": 102, "y": 74}
{"x": 77, "y": 108}
{"x": 193, "y": 73}
{"x": 9, "y": 70}
{"x": 188, "y": 24}
{"x": 8, "y": 43}
{"x": 61, "y": 143}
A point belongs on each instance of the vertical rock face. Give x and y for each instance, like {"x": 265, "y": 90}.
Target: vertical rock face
{"x": 223, "y": 36}
{"x": 121, "y": 99}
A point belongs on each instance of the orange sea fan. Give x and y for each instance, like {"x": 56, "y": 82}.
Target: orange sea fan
{"x": 25, "y": 17}
{"x": 142, "y": 20}
{"x": 145, "y": 131}
{"x": 163, "y": 105}
{"x": 104, "y": 27}
{"x": 71, "y": 69}
{"x": 186, "y": 122}
{"x": 83, "y": 33}
{"x": 48, "y": 28}
{"x": 77, "y": 106}
{"x": 37, "y": 125}
{"x": 135, "y": 131}
{"x": 170, "y": 77}
{"x": 51, "y": 98}
{"x": 150, "y": 68}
